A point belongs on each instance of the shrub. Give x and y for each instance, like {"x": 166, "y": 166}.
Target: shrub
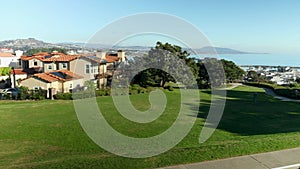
{"x": 5, "y": 71}
{"x": 170, "y": 88}
{"x": 133, "y": 91}
{"x": 39, "y": 94}
{"x": 63, "y": 96}
{"x": 24, "y": 93}
{"x": 82, "y": 94}
{"x": 294, "y": 85}
{"x": 102, "y": 92}
{"x": 280, "y": 90}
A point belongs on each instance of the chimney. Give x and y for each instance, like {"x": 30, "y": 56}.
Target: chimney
{"x": 100, "y": 54}
{"x": 121, "y": 55}
{"x": 19, "y": 53}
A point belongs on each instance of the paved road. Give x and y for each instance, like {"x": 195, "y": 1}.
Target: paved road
{"x": 271, "y": 93}
{"x": 233, "y": 85}
{"x": 284, "y": 159}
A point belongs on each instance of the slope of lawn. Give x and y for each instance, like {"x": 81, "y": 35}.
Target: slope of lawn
{"x": 47, "y": 134}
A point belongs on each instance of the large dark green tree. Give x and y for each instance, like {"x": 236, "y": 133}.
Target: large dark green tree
{"x": 232, "y": 71}
{"x": 208, "y": 72}
{"x": 252, "y": 76}
{"x": 161, "y": 54}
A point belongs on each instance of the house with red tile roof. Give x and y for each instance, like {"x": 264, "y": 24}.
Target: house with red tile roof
{"x": 45, "y": 62}
{"x": 97, "y": 68}
{"x": 59, "y": 81}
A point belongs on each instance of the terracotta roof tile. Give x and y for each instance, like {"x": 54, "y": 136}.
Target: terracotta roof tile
{"x": 45, "y": 77}
{"x": 6, "y": 55}
{"x": 61, "y": 58}
{"x": 53, "y": 57}
{"x": 31, "y": 57}
{"x": 18, "y": 72}
{"x": 108, "y": 58}
{"x": 52, "y": 77}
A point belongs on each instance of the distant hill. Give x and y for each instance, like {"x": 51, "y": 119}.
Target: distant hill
{"x": 31, "y": 43}
{"x": 219, "y": 50}
{"x": 25, "y": 44}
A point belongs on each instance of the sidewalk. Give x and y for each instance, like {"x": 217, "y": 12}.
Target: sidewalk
{"x": 271, "y": 93}
{"x": 284, "y": 159}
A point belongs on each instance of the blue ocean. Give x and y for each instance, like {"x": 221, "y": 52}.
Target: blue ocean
{"x": 261, "y": 59}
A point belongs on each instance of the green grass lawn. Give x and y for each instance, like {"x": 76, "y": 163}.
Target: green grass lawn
{"x": 47, "y": 134}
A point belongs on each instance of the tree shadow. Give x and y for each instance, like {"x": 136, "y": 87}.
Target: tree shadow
{"x": 247, "y": 114}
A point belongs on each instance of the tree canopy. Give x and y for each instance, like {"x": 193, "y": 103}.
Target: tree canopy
{"x": 232, "y": 71}
{"x": 207, "y": 72}
{"x": 37, "y": 50}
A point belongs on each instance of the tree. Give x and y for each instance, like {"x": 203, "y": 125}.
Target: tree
{"x": 203, "y": 78}
{"x": 167, "y": 57}
{"x": 49, "y": 50}
{"x": 232, "y": 71}
{"x": 252, "y": 76}
{"x": 215, "y": 73}
{"x": 5, "y": 71}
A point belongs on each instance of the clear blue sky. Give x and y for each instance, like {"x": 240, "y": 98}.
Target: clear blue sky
{"x": 257, "y": 25}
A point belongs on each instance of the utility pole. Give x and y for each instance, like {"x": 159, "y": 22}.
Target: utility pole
{"x": 14, "y": 77}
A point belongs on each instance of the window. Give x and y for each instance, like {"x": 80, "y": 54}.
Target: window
{"x": 49, "y": 67}
{"x": 64, "y": 65}
{"x": 92, "y": 68}
{"x": 71, "y": 88}
{"x": 95, "y": 68}
{"x": 87, "y": 69}
{"x": 35, "y": 63}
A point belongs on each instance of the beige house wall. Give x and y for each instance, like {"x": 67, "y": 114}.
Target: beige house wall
{"x": 32, "y": 82}
{"x": 102, "y": 68}
{"x": 61, "y": 66}
{"x": 31, "y": 63}
{"x": 57, "y": 85}
{"x": 46, "y": 66}
{"x": 79, "y": 67}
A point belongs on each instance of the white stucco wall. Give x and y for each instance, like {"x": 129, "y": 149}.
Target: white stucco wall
{"x": 8, "y": 61}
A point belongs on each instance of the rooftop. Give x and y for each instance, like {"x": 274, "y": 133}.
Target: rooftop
{"x": 18, "y": 72}
{"x": 59, "y": 75}
{"x": 51, "y": 57}
{"x": 5, "y": 54}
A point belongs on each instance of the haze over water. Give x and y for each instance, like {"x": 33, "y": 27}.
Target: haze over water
{"x": 261, "y": 59}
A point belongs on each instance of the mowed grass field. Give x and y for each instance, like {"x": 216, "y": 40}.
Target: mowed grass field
{"x": 47, "y": 134}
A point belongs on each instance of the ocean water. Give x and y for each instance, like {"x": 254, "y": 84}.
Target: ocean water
{"x": 261, "y": 59}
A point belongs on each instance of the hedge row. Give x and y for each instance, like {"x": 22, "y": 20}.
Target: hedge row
{"x": 289, "y": 92}
{"x": 134, "y": 89}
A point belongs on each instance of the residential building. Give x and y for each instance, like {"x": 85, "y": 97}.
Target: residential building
{"x": 98, "y": 67}
{"x": 46, "y": 62}
{"x": 60, "y": 81}
{"x": 6, "y": 50}
{"x": 9, "y": 60}
{"x": 43, "y": 68}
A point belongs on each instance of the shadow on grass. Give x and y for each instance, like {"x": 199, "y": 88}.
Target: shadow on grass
{"x": 245, "y": 115}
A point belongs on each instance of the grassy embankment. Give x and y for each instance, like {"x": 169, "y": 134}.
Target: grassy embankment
{"x": 47, "y": 134}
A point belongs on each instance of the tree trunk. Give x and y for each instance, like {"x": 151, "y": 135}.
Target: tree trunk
{"x": 163, "y": 82}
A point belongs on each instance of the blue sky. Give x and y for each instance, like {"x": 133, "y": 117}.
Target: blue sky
{"x": 261, "y": 26}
